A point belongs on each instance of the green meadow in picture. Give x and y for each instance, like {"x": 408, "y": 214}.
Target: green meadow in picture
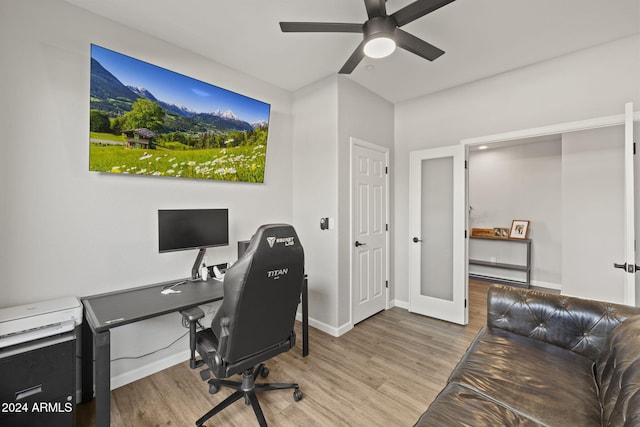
{"x": 147, "y": 120}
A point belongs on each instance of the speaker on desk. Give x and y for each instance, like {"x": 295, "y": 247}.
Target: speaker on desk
{"x": 242, "y": 247}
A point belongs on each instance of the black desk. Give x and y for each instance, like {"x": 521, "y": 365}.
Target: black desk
{"x": 105, "y": 311}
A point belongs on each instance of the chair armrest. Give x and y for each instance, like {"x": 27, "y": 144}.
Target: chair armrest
{"x": 192, "y": 314}
{"x": 224, "y": 336}
{"x": 190, "y": 318}
{"x": 572, "y": 323}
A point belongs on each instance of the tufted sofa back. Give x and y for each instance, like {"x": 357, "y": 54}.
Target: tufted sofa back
{"x": 618, "y": 375}
{"x": 577, "y": 324}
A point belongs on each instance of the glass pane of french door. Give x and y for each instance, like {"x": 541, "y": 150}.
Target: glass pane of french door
{"x": 436, "y": 213}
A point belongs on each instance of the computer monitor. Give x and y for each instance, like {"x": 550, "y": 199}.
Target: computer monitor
{"x": 185, "y": 229}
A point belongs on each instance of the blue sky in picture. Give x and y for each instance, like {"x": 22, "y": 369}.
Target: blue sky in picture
{"x": 178, "y": 89}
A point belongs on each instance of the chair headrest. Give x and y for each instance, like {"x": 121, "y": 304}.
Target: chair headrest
{"x": 272, "y": 238}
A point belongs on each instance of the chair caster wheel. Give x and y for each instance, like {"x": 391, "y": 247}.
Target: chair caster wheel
{"x": 213, "y": 389}
{"x": 264, "y": 372}
{"x": 297, "y": 395}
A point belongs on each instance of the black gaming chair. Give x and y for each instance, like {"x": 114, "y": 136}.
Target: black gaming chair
{"x": 256, "y": 319}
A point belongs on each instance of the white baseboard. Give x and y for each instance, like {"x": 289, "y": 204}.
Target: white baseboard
{"x": 150, "y": 369}
{"x": 554, "y": 286}
{"x": 344, "y": 329}
{"x": 400, "y": 304}
{"x": 547, "y": 285}
{"x": 331, "y": 330}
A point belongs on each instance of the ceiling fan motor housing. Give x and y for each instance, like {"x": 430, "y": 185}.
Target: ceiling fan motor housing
{"x": 380, "y": 26}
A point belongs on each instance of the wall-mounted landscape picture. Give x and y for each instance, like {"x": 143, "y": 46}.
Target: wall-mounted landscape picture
{"x": 147, "y": 120}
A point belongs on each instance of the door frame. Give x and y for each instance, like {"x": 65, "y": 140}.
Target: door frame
{"x": 614, "y": 120}
{"x": 353, "y": 141}
{"x": 556, "y": 129}
{"x": 629, "y": 196}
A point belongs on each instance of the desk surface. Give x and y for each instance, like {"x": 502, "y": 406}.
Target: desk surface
{"x": 106, "y": 311}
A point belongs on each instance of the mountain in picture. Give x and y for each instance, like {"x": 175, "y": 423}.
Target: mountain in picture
{"x": 108, "y": 94}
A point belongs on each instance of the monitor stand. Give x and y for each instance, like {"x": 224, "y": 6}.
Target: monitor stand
{"x": 195, "y": 270}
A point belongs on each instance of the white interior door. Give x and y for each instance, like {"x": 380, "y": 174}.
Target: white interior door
{"x": 437, "y": 199}
{"x": 629, "y": 205}
{"x": 369, "y": 229}
{"x": 597, "y": 189}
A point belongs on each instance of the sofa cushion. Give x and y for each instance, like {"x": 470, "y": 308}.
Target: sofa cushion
{"x": 456, "y": 406}
{"x": 538, "y": 380}
{"x": 618, "y": 375}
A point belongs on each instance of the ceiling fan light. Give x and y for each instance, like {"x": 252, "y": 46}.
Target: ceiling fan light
{"x": 379, "y": 47}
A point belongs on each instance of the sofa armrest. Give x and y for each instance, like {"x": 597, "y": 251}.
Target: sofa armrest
{"x": 577, "y": 324}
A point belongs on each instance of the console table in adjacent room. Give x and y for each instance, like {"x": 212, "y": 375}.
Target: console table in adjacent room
{"x": 106, "y": 311}
{"x": 525, "y": 267}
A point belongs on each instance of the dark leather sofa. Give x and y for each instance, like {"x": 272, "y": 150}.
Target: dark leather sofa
{"x": 545, "y": 360}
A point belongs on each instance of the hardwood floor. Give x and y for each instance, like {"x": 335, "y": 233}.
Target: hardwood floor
{"x": 384, "y": 372}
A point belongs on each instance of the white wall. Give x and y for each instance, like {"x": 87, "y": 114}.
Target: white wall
{"x": 67, "y": 231}
{"x": 591, "y": 83}
{"x": 519, "y": 182}
{"x": 315, "y": 184}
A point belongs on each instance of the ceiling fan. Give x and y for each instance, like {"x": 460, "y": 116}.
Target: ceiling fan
{"x": 381, "y": 31}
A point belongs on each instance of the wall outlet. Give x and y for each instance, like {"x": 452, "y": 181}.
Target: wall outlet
{"x": 493, "y": 259}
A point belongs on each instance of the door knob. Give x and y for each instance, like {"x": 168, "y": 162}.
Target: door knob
{"x": 360, "y": 244}
{"x": 416, "y": 240}
{"x": 629, "y": 268}
{"x": 622, "y": 266}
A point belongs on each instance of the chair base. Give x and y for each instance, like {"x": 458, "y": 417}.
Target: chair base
{"x": 247, "y": 389}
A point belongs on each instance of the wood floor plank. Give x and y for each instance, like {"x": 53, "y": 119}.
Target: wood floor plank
{"x": 383, "y": 372}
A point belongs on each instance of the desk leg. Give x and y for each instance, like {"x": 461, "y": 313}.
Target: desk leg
{"x": 305, "y": 318}
{"x": 103, "y": 378}
{"x": 86, "y": 366}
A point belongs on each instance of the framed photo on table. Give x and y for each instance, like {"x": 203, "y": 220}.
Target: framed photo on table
{"x": 519, "y": 229}
{"x": 501, "y": 233}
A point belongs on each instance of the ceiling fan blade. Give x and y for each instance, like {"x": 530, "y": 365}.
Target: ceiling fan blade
{"x": 416, "y": 45}
{"x": 320, "y": 27}
{"x": 418, "y": 9}
{"x": 353, "y": 60}
{"x": 375, "y": 8}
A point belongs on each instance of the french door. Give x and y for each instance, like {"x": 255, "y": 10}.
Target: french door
{"x": 437, "y": 200}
